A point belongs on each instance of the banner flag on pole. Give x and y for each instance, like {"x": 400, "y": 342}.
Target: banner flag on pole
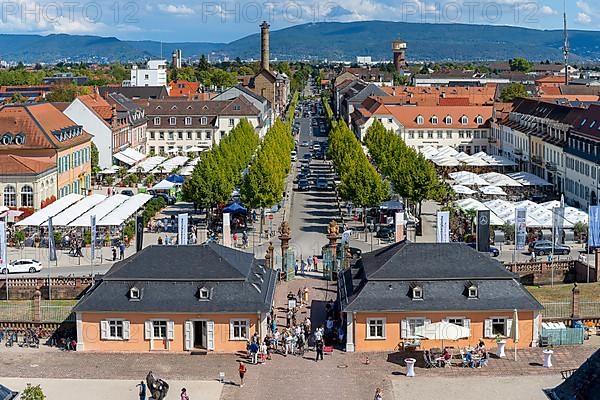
{"x": 443, "y": 227}
{"x": 594, "y": 227}
{"x": 483, "y": 231}
{"x": 520, "y": 228}
{"x": 558, "y": 218}
{"x": 3, "y": 260}
{"x": 139, "y": 232}
{"x": 183, "y": 229}
{"x": 51, "y": 244}
{"x": 93, "y": 236}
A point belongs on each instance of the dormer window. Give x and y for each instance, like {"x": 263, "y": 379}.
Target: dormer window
{"x": 203, "y": 293}
{"x": 434, "y": 120}
{"x": 156, "y": 120}
{"x": 172, "y": 121}
{"x": 420, "y": 120}
{"x": 448, "y": 120}
{"x": 473, "y": 292}
{"x": 417, "y": 293}
{"x": 203, "y": 121}
{"x": 205, "y": 107}
{"x": 236, "y": 107}
{"x": 174, "y": 108}
{"x": 188, "y": 120}
{"x": 464, "y": 120}
{"x": 134, "y": 293}
{"x": 479, "y": 120}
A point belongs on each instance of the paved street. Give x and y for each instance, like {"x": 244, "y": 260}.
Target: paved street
{"x": 102, "y": 389}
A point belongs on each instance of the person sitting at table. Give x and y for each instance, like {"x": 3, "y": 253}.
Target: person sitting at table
{"x": 446, "y": 354}
{"x": 468, "y": 360}
{"x": 483, "y": 361}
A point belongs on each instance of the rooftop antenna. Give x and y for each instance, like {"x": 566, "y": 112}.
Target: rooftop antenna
{"x": 566, "y": 43}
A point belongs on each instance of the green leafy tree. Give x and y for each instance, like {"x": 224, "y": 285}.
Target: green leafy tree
{"x": 520, "y": 64}
{"x": 513, "y": 91}
{"x": 95, "y": 156}
{"x": 17, "y": 98}
{"x": 119, "y": 73}
{"x": 66, "y": 93}
{"x": 203, "y": 64}
{"x": 33, "y": 393}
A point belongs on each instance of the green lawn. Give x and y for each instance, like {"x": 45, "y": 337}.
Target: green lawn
{"x": 562, "y": 292}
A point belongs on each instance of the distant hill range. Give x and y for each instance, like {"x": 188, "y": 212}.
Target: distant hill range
{"x": 325, "y": 40}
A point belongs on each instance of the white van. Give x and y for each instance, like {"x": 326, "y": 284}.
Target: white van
{"x": 294, "y": 156}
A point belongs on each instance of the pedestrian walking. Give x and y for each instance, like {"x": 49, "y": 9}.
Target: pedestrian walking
{"x": 122, "y": 250}
{"x": 242, "y": 370}
{"x": 309, "y": 262}
{"x": 184, "y": 395}
{"x": 302, "y": 267}
{"x": 319, "y": 347}
{"x": 254, "y": 352}
{"x": 160, "y": 241}
{"x": 142, "y": 391}
{"x": 315, "y": 262}
{"x": 378, "y": 394}
{"x": 114, "y": 253}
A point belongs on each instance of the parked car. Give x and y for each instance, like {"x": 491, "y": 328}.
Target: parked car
{"x": 321, "y": 183}
{"x": 22, "y": 266}
{"x": 544, "y": 247}
{"x": 303, "y": 185}
{"x": 294, "y": 156}
{"x": 307, "y": 156}
{"x": 494, "y": 252}
{"x": 385, "y": 232}
{"x": 127, "y": 192}
{"x": 317, "y": 146}
{"x": 304, "y": 143}
{"x": 169, "y": 200}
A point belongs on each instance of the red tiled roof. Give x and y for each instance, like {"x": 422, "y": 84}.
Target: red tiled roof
{"x": 37, "y": 122}
{"x": 18, "y": 165}
{"x": 179, "y": 88}
{"x": 96, "y": 103}
{"x": 407, "y": 116}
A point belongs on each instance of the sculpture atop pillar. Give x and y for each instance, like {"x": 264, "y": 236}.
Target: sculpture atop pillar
{"x": 284, "y": 236}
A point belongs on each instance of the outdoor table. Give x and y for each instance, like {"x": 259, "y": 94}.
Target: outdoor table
{"x": 410, "y": 366}
{"x": 548, "y": 358}
{"x": 440, "y": 361}
{"x": 501, "y": 345}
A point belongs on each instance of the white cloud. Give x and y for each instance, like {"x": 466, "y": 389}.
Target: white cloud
{"x": 583, "y": 18}
{"x": 585, "y": 7}
{"x": 547, "y": 10}
{"x": 177, "y": 10}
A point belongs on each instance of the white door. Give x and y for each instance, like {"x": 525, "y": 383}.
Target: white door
{"x": 210, "y": 335}
{"x": 189, "y": 335}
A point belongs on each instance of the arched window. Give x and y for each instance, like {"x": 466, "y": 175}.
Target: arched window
{"x": 420, "y": 120}
{"x": 26, "y": 196}
{"x": 448, "y": 120}
{"x": 10, "y": 196}
{"x": 434, "y": 120}
{"x": 479, "y": 120}
{"x": 464, "y": 120}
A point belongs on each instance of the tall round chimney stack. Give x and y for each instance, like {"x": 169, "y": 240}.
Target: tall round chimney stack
{"x": 264, "y": 43}
{"x": 399, "y": 49}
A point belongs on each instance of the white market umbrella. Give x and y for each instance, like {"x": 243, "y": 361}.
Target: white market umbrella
{"x": 461, "y": 189}
{"x": 442, "y": 331}
{"x": 172, "y": 151}
{"x": 194, "y": 149}
{"x": 514, "y": 332}
{"x": 492, "y": 190}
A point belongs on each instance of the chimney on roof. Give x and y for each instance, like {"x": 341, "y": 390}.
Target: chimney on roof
{"x": 264, "y": 45}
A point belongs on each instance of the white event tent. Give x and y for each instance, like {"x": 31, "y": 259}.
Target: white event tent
{"x": 71, "y": 213}
{"x": 41, "y": 216}
{"x": 100, "y": 210}
{"x": 125, "y": 210}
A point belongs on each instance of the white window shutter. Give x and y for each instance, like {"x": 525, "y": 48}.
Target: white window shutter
{"x": 404, "y": 329}
{"x": 487, "y": 328}
{"x": 231, "y": 332}
{"x": 103, "y": 329}
{"x": 210, "y": 335}
{"x": 188, "y": 335}
{"x": 467, "y": 324}
{"x": 147, "y": 330}
{"x": 508, "y": 327}
{"x": 170, "y": 330}
{"x": 126, "y": 330}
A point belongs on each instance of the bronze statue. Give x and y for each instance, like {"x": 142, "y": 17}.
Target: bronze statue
{"x": 333, "y": 229}
{"x": 284, "y": 229}
{"x": 157, "y": 387}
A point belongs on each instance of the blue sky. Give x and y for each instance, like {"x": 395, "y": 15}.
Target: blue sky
{"x": 226, "y": 20}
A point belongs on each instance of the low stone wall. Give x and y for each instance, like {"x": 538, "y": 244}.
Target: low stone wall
{"x": 61, "y": 288}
